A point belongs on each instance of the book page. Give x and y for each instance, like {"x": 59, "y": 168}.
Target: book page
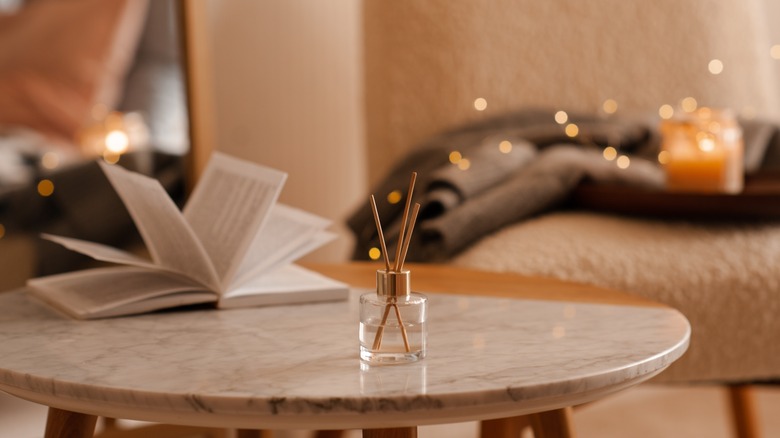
{"x": 229, "y": 206}
{"x": 169, "y": 238}
{"x": 281, "y": 259}
{"x": 288, "y": 284}
{"x": 94, "y": 293}
{"x": 101, "y": 252}
{"x": 287, "y": 231}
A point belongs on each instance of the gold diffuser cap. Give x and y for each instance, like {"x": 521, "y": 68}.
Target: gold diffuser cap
{"x": 393, "y": 283}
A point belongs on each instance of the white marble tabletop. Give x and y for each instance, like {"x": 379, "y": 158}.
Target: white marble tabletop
{"x": 298, "y": 366}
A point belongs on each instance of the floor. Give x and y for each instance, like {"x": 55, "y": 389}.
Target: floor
{"x": 642, "y": 412}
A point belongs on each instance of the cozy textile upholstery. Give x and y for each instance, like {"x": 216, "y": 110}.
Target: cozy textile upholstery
{"x": 724, "y": 277}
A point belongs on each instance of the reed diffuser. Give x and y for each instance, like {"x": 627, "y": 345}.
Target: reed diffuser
{"x": 393, "y": 320}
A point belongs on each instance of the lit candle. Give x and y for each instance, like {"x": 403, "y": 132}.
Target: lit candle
{"x": 113, "y": 135}
{"x": 703, "y": 152}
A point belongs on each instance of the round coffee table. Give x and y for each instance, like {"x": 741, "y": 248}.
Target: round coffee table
{"x": 551, "y": 346}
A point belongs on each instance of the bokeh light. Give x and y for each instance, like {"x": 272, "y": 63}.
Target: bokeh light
{"x": 45, "y": 187}
{"x": 774, "y": 51}
{"x": 715, "y": 66}
{"x": 666, "y": 111}
{"x": 117, "y": 142}
{"x": 689, "y": 104}
{"x": 705, "y": 142}
{"x": 610, "y": 106}
{"x": 50, "y": 160}
{"x": 394, "y": 197}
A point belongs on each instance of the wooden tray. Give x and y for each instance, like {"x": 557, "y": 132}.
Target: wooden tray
{"x": 760, "y": 200}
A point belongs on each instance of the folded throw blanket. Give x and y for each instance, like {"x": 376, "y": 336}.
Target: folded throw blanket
{"x": 534, "y": 172}
{"x": 537, "y": 187}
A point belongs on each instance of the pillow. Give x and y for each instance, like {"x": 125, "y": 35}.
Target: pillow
{"x": 59, "y": 59}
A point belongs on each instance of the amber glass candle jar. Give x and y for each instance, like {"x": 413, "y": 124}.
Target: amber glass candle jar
{"x": 702, "y": 152}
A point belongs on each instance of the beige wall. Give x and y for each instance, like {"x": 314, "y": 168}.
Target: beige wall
{"x": 287, "y": 94}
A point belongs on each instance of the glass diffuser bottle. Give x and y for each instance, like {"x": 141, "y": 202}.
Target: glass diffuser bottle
{"x": 393, "y": 320}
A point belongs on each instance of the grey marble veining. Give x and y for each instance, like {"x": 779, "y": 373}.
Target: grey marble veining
{"x": 298, "y": 366}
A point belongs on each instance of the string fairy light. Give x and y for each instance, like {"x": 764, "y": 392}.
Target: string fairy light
{"x": 715, "y": 66}
{"x": 774, "y": 51}
{"x": 394, "y": 197}
{"x": 610, "y": 106}
{"x": 666, "y": 111}
{"x": 689, "y": 104}
{"x": 45, "y": 187}
{"x": 50, "y": 160}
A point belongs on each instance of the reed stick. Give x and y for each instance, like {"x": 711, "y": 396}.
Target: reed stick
{"x": 381, "y": 235}
{"x": 404, "y": 220}
{"x": 381, "y": 329}
{"x": 403, "y": 329}
{"x": 408, "y": 236}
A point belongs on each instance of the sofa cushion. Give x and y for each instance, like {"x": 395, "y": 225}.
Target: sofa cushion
{"x": 725, "y": 278}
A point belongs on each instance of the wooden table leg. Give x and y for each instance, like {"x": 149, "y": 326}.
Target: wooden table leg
{"x": 504, "y": 427}
{"x": 66, "y": 424}
{"x": 743, "y": 411}
{"x": 553, "y": 424}
{"x": 401, "y": 432}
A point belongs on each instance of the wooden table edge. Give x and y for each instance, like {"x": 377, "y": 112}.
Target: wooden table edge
{"x": 438, "y": 278}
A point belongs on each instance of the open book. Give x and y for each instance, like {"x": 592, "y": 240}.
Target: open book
{"x": 233, "y": 245}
